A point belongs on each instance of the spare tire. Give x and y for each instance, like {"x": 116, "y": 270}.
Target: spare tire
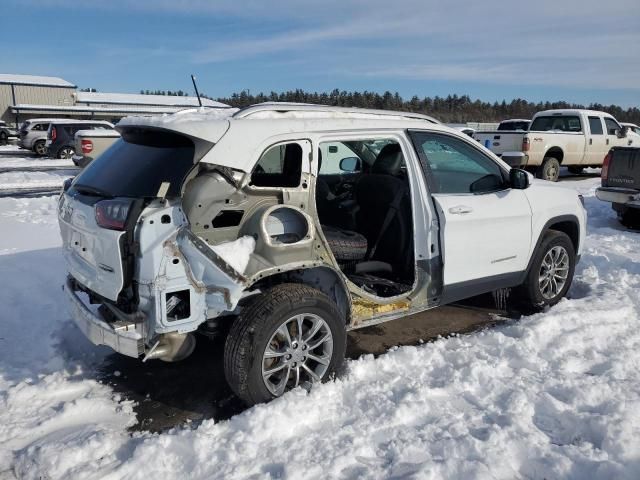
{"x": 346, "y": 245}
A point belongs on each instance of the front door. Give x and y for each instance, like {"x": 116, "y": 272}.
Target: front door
{"x": 485, "y": 225}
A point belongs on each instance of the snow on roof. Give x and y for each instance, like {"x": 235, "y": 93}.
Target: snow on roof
{"x": 98, "y": 133}
{"x": 34, "y": 80}
{"x": 139, "y": 99}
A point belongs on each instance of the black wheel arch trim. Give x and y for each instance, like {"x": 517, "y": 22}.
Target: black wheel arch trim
{"x": 547, "y": 226}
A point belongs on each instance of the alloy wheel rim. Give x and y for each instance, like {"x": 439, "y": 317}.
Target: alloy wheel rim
{"x": 40, "y": 149}
{"x": 298, "y": 353}
{"x": 66, "y": 153}
{"x": 554, "y": 272}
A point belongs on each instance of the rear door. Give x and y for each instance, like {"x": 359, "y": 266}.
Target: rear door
{"x": 597, "y": 147}
{"x": 485, "y": 226}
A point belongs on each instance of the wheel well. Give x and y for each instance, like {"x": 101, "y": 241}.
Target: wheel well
{"x": 570, "y": 229}
{"x": 555, "y": 152}
{"x": 324, "y": 279}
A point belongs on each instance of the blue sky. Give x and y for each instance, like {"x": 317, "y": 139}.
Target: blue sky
{"x": 581, "y": 51}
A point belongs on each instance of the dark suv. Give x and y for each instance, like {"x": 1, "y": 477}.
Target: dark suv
{"x": 60, "y": 136}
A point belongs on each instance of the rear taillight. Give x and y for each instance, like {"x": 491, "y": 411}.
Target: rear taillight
{"x": 112, "y": 214}
{"x": 525, "y": 144}
{"x": 54, "y": 134}
{"x": 605, "y": 166}
{"x": 87, "y": 146}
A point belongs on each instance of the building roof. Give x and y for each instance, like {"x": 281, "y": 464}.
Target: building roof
{"x": 88, "y": 109}
{"x": 35, "y": 80}
{"x": 139, "y": 99}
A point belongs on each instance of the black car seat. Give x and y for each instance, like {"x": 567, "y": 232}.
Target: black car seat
{"x": 385, "y": 217}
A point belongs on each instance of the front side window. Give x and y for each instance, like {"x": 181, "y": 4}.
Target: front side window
{"x": 456, "y": 167}
{"x": 612, "y": 125}
{"x": 279, "y": 166}
{"x": 595, "y": 125}
{"x": 564, "y": 123}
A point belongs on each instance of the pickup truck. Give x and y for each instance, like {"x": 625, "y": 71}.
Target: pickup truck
{"x": 506, "y": 138}
{"x": 91, "y": 143}
{"x": 572, "y": 138}
{"x": 621, "y": 184}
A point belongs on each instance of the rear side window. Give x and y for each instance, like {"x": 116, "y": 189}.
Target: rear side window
{"x": 279, "y": 166}
{"x": 595, "y": 125}
{"x": 565, "y": 123}
{"x": 138, "y": 164}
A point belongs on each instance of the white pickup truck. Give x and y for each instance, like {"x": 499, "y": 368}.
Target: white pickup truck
{"x": 572, "y": 138}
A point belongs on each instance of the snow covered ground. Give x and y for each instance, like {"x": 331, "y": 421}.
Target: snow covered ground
{"x": 14, "y": 158}
{"x": 553, "y": 395}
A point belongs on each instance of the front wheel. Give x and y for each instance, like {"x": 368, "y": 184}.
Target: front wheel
{"x": 291, "y": 335}
{"x": 40, "y": 148}
{"x": 549, "y": 170}
{"x": 550, "y": 273}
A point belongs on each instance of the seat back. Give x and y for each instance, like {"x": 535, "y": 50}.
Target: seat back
{"x": 375, "y": 193}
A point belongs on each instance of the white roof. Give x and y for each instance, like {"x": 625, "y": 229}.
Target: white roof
{"x": 573, "y": 111}
{"x": 139, "y": 99}
{"x": 239, "y": 134}
{"x": 516, "y": 120}
{"x": 34, "y": 80}
{"x": 627, "y": 124}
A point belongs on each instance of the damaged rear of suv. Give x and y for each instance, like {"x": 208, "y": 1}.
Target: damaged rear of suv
{"x": 284, "y": 226}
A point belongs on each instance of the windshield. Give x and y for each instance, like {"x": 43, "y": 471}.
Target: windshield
{"x": 137, "y": 166}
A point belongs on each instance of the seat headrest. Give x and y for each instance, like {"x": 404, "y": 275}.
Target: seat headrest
{"x": 389, "y": 160}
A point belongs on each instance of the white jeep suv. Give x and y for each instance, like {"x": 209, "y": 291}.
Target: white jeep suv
{"x": 283, "y": 226}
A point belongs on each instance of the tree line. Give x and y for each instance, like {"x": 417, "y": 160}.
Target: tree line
{"x": 449, "y": 109}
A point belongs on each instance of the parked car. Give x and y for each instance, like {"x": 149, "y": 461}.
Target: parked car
{"x": 91, "y": 143}
{"x": 7, "y": 134}
{"x": 514, "y": 124}
{"x": 200, "y": 223}
{"x": 621, "y": 184}
{"x": 33, "y": 133}
{"x": 632, "y": 127}
{"x": 572, "y": 138}
{"x": 61, "y": 136}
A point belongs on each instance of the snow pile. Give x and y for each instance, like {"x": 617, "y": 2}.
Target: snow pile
{"x": 236, "y": 253}
{"x": 555, "y": 395}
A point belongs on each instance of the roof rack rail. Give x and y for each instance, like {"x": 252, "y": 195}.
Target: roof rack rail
{"x": 284, "y": 107}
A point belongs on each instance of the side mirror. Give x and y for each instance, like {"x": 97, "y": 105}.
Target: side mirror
{"x": 518, "y": 179}
{"x": 350, "y": 164}
{"x": 622, "y": 132}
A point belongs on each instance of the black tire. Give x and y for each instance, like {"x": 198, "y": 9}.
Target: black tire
{"x": 549, "y": 170}
{"x": 3, "y": 138}
{"x": 529, "y": 294}
{"x": 630, "y": 218}
{"x": 66, "y": 152}
{"x": 39, "y": 148}
{"x": 346, "y": 245}
{"x": 252, "y": 330}
{"x": 575, "y": 170}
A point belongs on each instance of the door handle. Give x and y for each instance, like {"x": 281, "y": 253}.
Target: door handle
{"x": 460, "y": 210}
{"x": 607, "y": 141}
{"x": 591, "y": 141}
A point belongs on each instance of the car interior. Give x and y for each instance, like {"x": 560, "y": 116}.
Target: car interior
{"x": 364, "y": 206}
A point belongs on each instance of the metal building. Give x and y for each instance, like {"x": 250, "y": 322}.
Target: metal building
{"x": 26, "y": 96}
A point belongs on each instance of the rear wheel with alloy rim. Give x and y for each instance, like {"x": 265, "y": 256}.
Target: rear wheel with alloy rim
{"x": 40, "y": 148}
{"x": 291, "y": 335}
{"x": 66, "y": 152}
{"x": 550, "y": 273}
